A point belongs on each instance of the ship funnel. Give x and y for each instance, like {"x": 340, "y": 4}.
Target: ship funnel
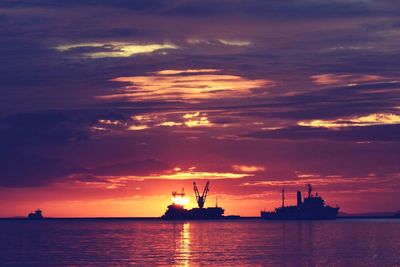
{"x": 299, "y": 202}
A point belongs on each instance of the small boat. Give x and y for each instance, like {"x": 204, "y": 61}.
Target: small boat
{"x": 37, "y": 215}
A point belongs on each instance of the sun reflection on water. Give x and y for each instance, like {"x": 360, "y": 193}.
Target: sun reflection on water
{"x": 182, "y": 250}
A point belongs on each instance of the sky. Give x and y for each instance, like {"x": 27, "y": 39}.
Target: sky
{"x": 108, "y": 106}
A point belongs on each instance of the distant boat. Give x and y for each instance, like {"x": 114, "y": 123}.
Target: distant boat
{"x": 177, "y": 211}
{"x": 37, "y": 215}
{"x": 312, "y": 208}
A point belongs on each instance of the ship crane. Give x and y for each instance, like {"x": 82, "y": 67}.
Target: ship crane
{"x": 182, "y": 194}
{"x": 201, "y": 199}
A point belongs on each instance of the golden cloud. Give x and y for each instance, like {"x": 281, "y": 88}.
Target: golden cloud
{"x": 191, "y": 175}
{"x": 114, "y": 182}
{"x": 196, "y": 120}
{"x": 367, "y": 120}
{"x": 116, "y": 49}
{"x": 137, "y": 127}
{"x": 248, "y": 168}
{"x": 195, "y": 71}
{"x": 188, "y": 85}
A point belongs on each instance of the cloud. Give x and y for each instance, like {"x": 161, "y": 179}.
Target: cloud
{"x": 366, "y": 184}
{"x": 196, "y": 120}
{"x": 115, "y": 49}
{"x": 192, "y": 175}
{"x": 32, "y": 170}
{"x": 234, "y": 42}
{"x": 248, "y": 168}
{"x": 186, "y": 85}
{"x": 345, "y": 79}
{"x": 129, "y": 168}
{"x": 192, "y": 71}
{"x": 122, "y": 175}
{"x": 383, "y": 133}
{"x": 229, "y": 8}
{"x": 153, "y": 119}
{"x": 138, "y": 127}
{"x": 367, "y": 120}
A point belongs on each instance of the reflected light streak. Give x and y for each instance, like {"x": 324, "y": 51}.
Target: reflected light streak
{"x": 183, "y": 252}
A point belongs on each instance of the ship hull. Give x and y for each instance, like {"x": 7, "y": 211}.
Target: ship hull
{"x": 326, "y": 213}
{"x": 175, "y": 212}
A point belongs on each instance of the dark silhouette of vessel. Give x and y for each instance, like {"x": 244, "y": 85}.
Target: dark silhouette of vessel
{"x": 311, "y": 208}
{"x": 37, "y": 215}
{"x": 177, "y": 211}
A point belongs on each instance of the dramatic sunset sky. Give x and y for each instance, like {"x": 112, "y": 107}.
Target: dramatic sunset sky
{"x": 107, "y": 106}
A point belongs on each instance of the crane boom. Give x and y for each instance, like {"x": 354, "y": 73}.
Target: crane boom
{"x": 201, "y": 199}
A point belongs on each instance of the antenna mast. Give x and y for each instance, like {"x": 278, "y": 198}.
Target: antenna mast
{"x": 309, "y": 190}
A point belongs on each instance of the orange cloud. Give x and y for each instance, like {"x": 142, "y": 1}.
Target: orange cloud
{"x": 191, "y": 175}
{"x": 196, "y": 120}
{"x": 175, "y": 72}
{"x": 138, "y": 127}
{"x": 248, "y": 168}
{"x": 188, "y": 85}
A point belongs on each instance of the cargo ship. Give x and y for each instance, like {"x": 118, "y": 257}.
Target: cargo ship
{"x": 311, "y": 208}
{"x": 177, "y": 211}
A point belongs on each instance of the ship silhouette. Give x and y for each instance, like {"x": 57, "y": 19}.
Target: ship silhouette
{"x": 311, "y": 208}
{"x": 37, "y": 215}
{"x": 177, "y": 211}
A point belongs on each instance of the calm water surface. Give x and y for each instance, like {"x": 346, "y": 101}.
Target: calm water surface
{"x": 208, "y": 243}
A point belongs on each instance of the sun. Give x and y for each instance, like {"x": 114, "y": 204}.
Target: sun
{"x": 180, "y": 200}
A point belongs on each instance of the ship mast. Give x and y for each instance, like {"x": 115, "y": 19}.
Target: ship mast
{"x": 309, "y": 190}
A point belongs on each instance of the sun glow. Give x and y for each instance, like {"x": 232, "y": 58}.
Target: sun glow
{"x": 180, "y": 200}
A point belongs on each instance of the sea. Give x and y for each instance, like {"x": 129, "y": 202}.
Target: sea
{"x": 244, "y": 242}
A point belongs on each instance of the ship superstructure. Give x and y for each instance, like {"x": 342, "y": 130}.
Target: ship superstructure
{"x": 311, "y": 208}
